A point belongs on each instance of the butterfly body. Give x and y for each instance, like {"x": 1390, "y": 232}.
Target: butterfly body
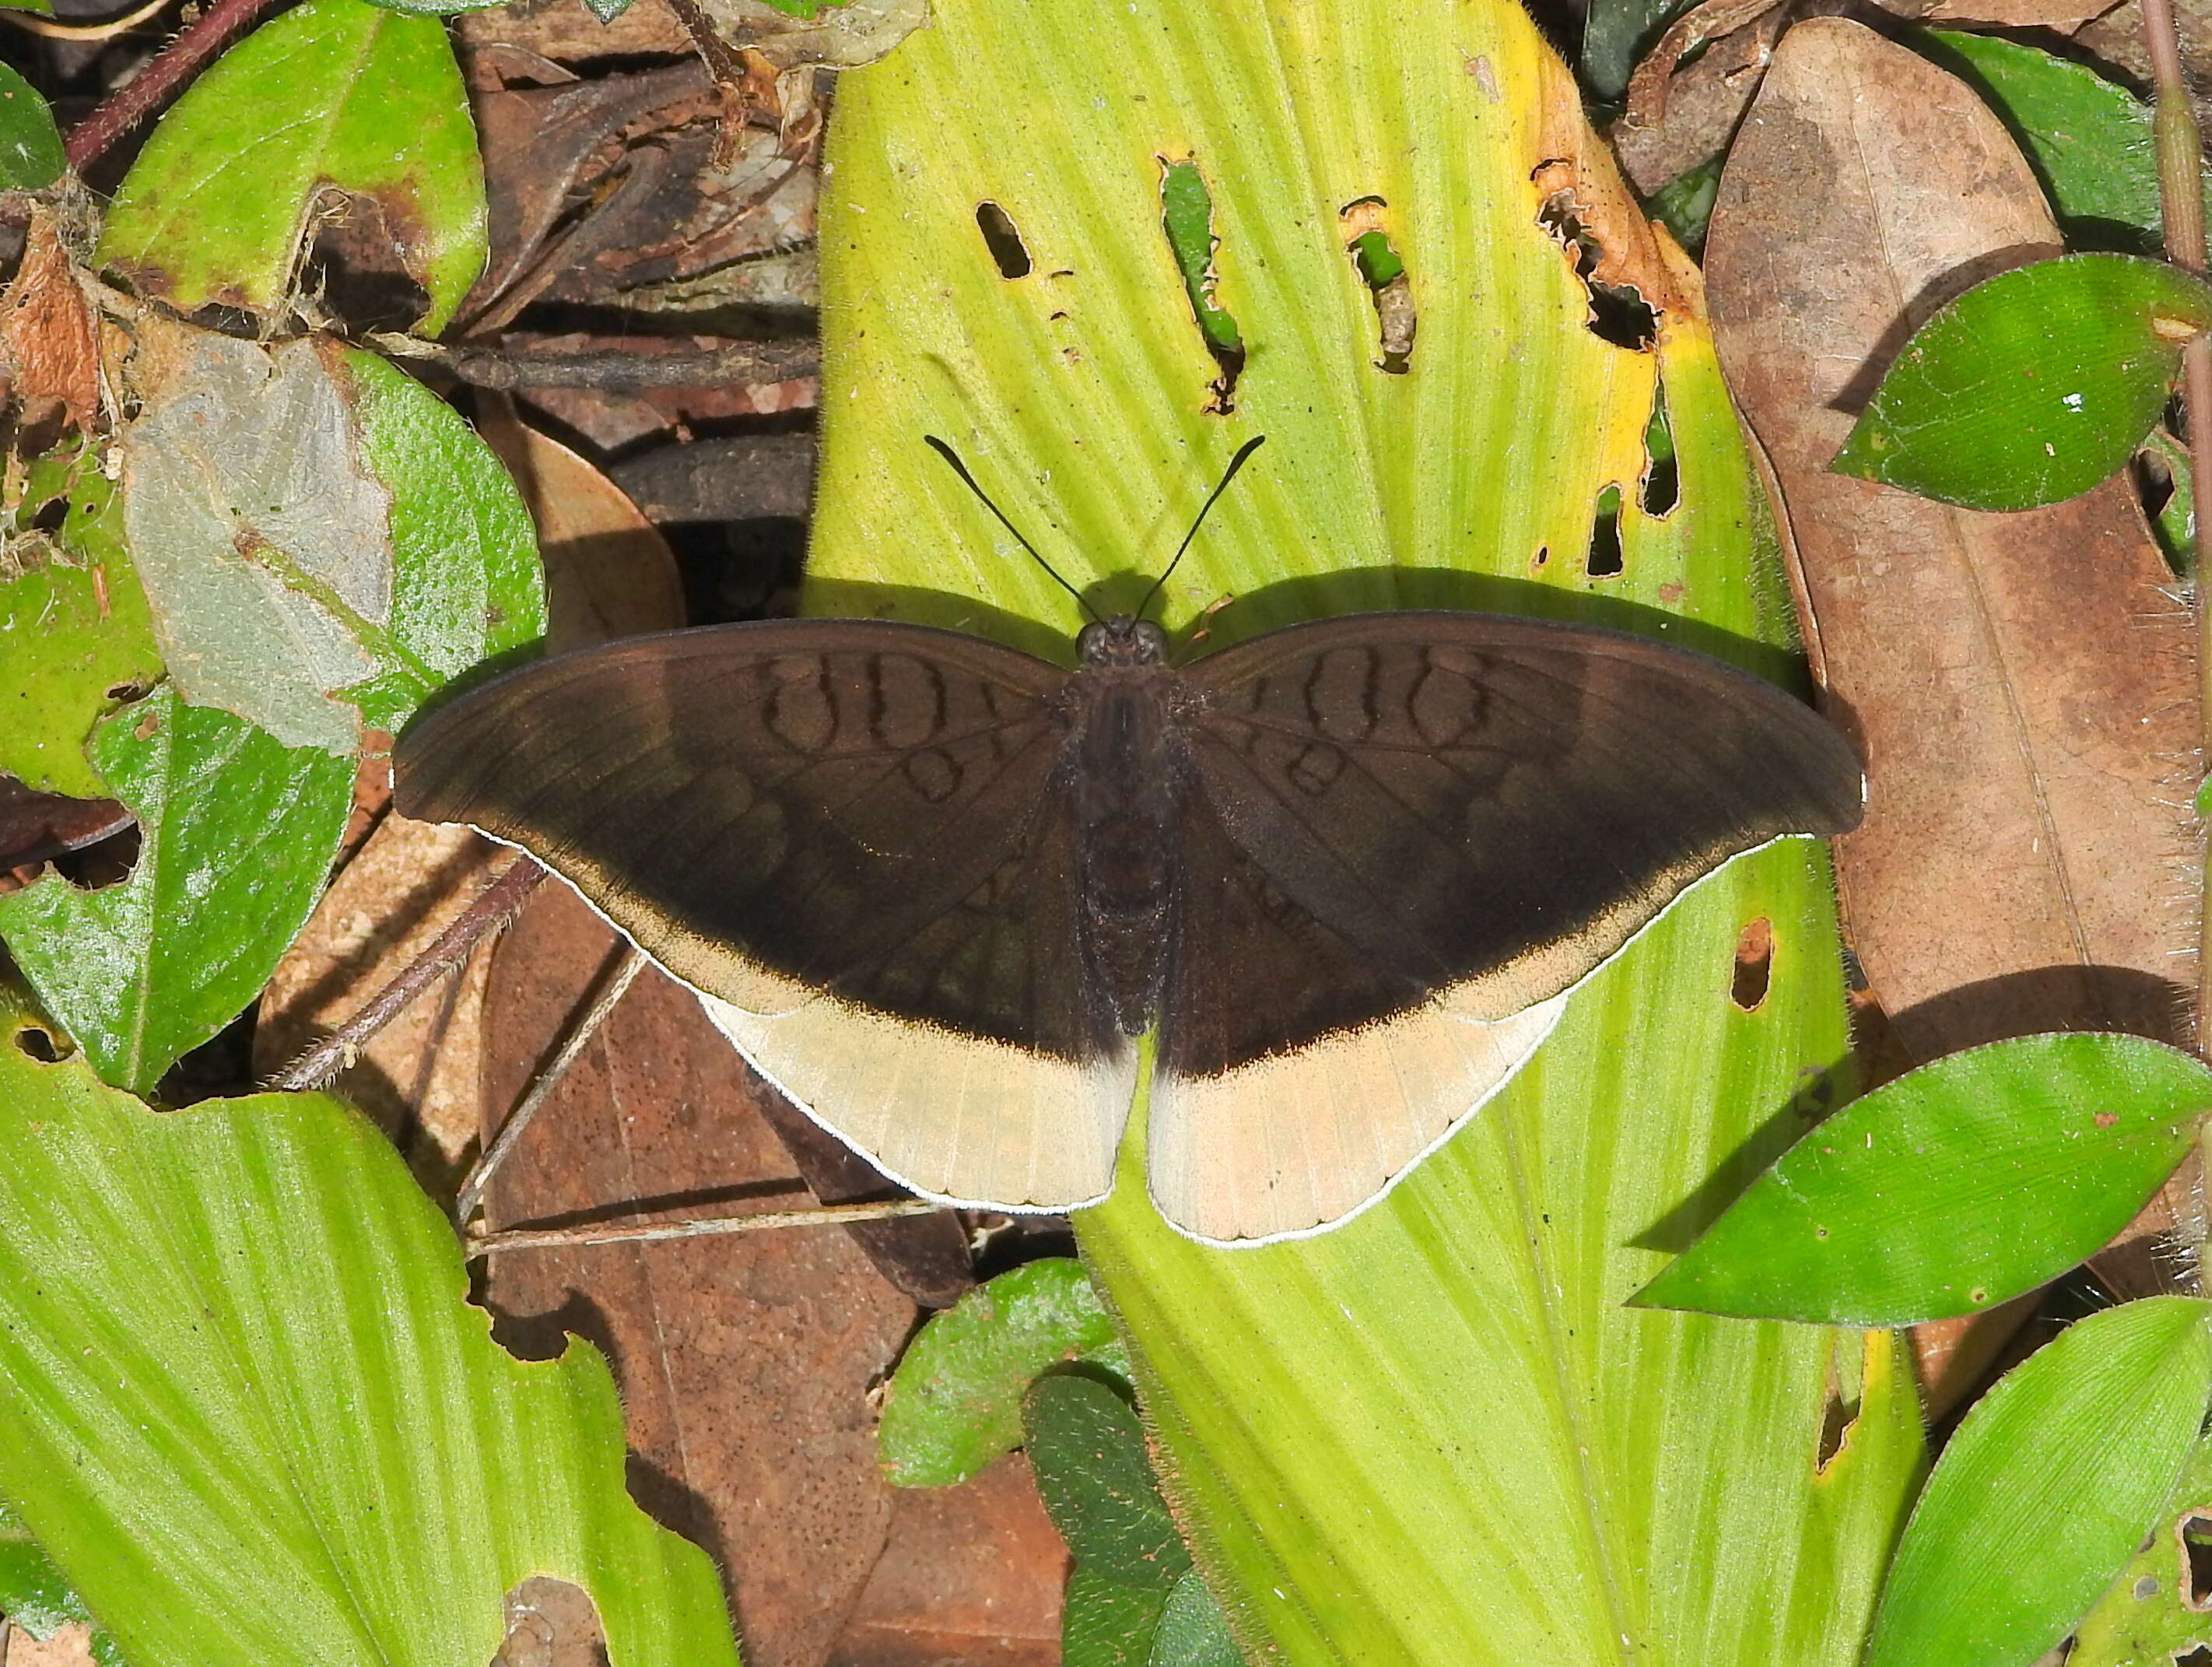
{"x": 934, "y": 887}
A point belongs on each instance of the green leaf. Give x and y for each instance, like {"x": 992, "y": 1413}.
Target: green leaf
{"x": 237, "y": 834}
{"x": 332, "y": 93}
{"x": 1955, "y": 1188}
{"x": 1615, "y": 35}
{"x": 1194, "y": 1633}
{"x": 250, "y": 1413}
{"x": 2046, "y": 1488}
{"x": 2032, "y": 386}
{"x": 80, "y": 641}
{"x": 322, "y": 540}
{"x": 1434, "y": 1437}
{"x": 1685, "y": 204}
{"x": 2149, "y": 1614}
{"x": 2174, "y": 526}
{"x": 1108, "y": 1623}
{"x": 31, "y": 156}
{"x": 955, "y": 1403}
{"x": 2088, "y": 139}
{"x": 1088, "y": 1451}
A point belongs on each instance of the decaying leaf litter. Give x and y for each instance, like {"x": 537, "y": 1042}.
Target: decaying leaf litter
{"x": 2106, "y": 930}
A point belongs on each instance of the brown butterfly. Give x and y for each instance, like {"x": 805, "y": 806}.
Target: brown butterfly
{"x": 935, "y": 889}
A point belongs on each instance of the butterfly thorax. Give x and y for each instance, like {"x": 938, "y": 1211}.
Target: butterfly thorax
{"x": 1126, "y": 768}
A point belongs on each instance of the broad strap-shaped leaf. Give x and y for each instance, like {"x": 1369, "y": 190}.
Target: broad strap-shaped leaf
{"x": 237, "y": 833}
{"x": 2046, "y": 1488}
{"x": 1955, "y": 1188}
{"x": 245, "y": 1404}
{"x": 218, "y": 205}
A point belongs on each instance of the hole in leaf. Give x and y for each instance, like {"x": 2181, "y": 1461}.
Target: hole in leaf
{"x": 1543, "y": 555}
{"x": 1004, "y": 242}
{"x": 37, "y": 1044}
{"x": 1187, "y": 217}
{"x": 1618, "y": 313}
{"x": 552, "y": 1623}
{"x": 1836, "y": 1418}
{"x": 1754, "y": 964}
{"x": 1383, "y": 272}
{"x": 2196, "y": 1655}
{"x": 2194, "y": 1533}
{"x": 1662, "y": 488}
{"x": 1604, "y": 561}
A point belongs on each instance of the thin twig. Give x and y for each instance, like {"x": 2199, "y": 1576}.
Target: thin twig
{"x": 2181, "y": 204}
{"x": 494, "y": 907}
{"x": 834, "y": 1215}
{"x": 615, "y": 370}
{"x": 728, "y": 71}
{"x": 196, "y": 43}
{"x": 633, "y": 961}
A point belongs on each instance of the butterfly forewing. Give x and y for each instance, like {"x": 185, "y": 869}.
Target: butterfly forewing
{"x": 1464, "y": 814}
{"x": 843, "y": 832}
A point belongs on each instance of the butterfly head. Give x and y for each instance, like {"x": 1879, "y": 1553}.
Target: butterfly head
{"x": 1124, "y": 640}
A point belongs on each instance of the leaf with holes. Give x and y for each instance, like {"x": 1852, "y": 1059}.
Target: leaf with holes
{"x": 80, "y": 641}
{"x": 2032, "y": 387}
{"x": 1955, "y": 1188}
{"x": 237, "y": 833}
{"x": 1300, "y": 1394}
{"x": 323, "y": 540}
{"x": 955, "y": 1403}
{"x": 218, "y": 206}
{"x": 318, "y": 1453}
{"x": 2046, "y": 1489}
{"x": 2156, "y": 1609}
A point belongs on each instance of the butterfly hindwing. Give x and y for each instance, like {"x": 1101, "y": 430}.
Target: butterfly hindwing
{"x": 1467, "y": 814}
{"x": 844, "y": 833}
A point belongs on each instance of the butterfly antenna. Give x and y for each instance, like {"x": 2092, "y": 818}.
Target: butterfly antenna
{"x": 1227, "y": 474}
{"x": 960, "y": 470}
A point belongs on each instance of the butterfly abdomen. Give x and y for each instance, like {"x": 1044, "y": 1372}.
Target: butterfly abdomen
{"x": 1126, "y": 781}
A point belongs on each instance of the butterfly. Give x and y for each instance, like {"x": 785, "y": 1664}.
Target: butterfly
{"x": 936, "y": 889}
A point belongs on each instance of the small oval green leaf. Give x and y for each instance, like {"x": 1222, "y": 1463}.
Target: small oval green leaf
{"x": 2046, "y": 1489}
{"x": 1092, "y": 1468}
{"x": 955, "y": 1403}
{"x": 1955, "y": 1187}
{"x": 2030, "y": 387}
{"x": 31, "y": 155}
{"x": 1194, "y": 1633}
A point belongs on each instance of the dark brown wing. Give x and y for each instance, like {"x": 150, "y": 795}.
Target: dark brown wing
{"x": 1485, "y": 803}
{"x": 849, "y": 836}
{"x": 841, "y": 804}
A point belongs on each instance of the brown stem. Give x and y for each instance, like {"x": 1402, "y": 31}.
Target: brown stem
{"x": 728, "y": 71}
{"x": 618, "y": 370}
{"x": 834, "y": 1215}
{"x": 2181, "y": 205}
{"x": 174, "y": 65}
{"x": 616, "y": 984}
{"x": 494, "y": 907}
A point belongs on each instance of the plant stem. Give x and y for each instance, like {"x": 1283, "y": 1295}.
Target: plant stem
{"x": 494, "y": 907}
{"x": 563, "y": 1239}
{"x": 175, "y": 64}
{"x": 2181, "y": 204}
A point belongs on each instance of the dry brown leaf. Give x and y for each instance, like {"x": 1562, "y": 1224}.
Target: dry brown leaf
{"x": 745, "y": 1363}
{"x": 608, "y": 571}
{"x": 417, "y": 1078}
{"x": 972, "y": 1575}
{"x": 71, "y": 1646}
{"x": 47, "y": 330}
{"x": 2020, "y": 684}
